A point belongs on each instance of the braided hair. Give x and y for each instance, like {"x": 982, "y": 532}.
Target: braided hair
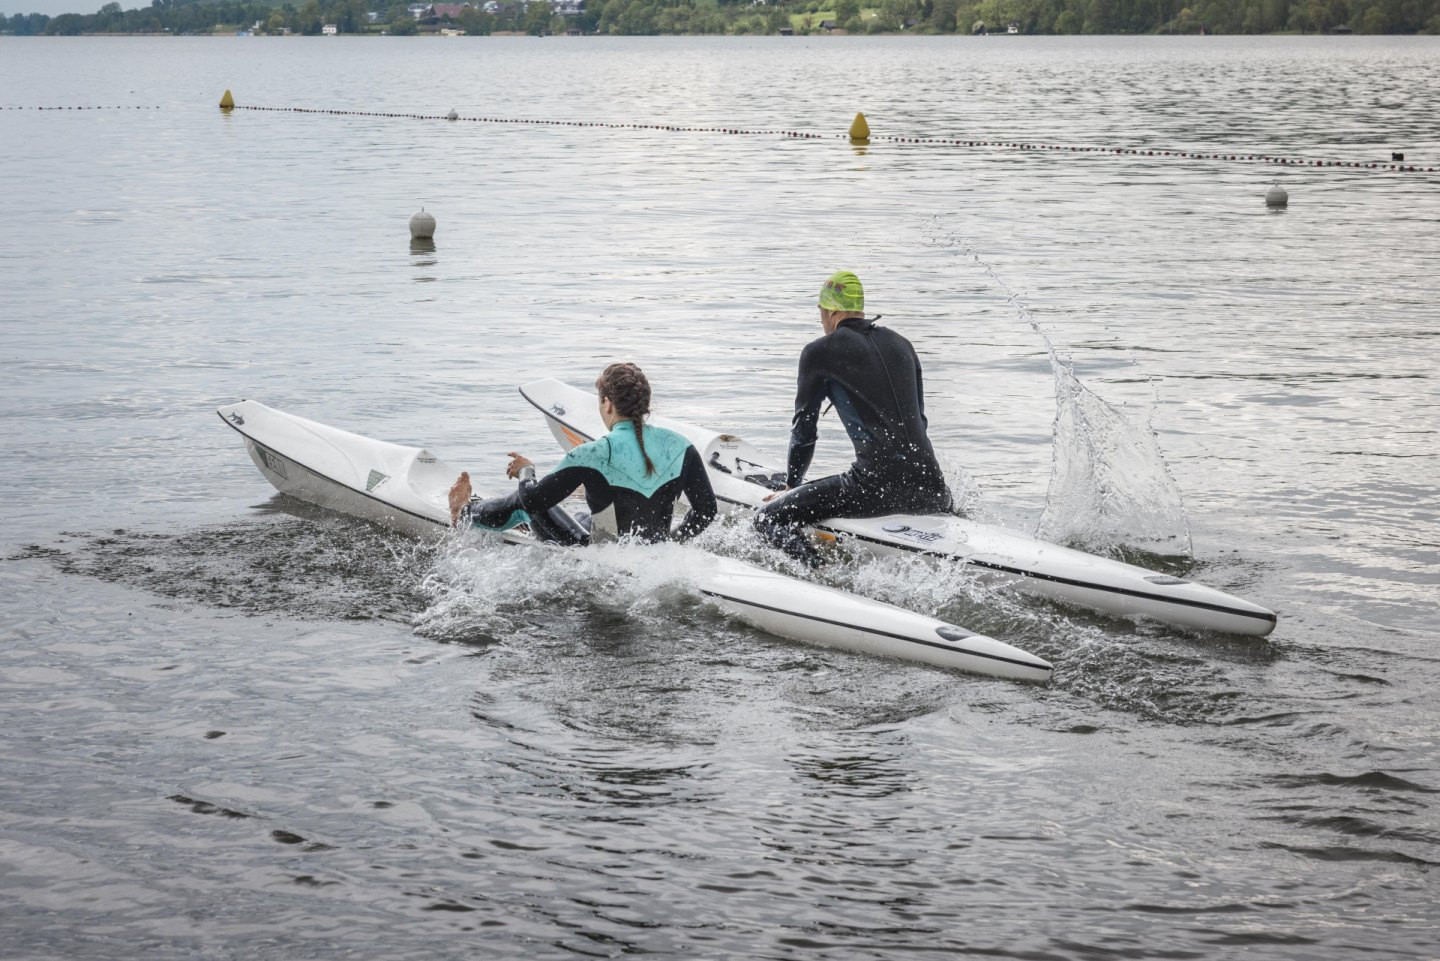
{"x": 626, "y": 386}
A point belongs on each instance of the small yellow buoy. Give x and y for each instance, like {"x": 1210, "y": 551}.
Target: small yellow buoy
{"x": 227, "y": 102}
{"x": 859, "y": 130}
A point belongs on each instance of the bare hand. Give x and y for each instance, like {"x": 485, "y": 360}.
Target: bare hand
{"x": 518, "y": 462}
{"x": 771, "y": 497}
{"x": 459, "y": 497}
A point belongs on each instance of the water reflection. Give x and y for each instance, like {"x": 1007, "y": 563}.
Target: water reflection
{"x": 868, "y": 775}
{"x": 422, "y": 258}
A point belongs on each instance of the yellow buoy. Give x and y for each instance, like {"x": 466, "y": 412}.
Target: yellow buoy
{"x": 859, "y": 130}
{"x": 227, "y": 102}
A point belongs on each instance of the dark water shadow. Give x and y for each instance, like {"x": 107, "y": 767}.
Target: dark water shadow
{"x": 297, "y": 560}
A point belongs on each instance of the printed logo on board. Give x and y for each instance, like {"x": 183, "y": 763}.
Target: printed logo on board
{"x": 236, "y": 419}
{"x": 273, "y": 462}
{"x": 912, "y": 533}
{"x": 557, "y": 410}
{"x": 375, "y": 480}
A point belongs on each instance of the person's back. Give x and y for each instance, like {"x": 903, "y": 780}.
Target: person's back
{"x": 633, "y": 477}
{"x": 872, "y": 377}
{"x": 626, "y": 500}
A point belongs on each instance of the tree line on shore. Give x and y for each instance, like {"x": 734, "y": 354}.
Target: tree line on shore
{"x": 643, "y": 17}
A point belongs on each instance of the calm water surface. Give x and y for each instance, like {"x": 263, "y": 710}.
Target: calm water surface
{"x": 236, "y": 727}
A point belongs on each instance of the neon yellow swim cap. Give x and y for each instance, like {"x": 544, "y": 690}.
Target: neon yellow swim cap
{"x": 842, "y": 291}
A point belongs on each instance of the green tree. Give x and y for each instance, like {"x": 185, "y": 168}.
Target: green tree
{"x": 672, "y": 20}
{"x": 942, "y": 15}
{"x": 638, "y": 19}
{"x": 896, "y": 12}
{"x": 65, "y": 25}
{"x": 350, "y": 16}
{"x": 476, "y": 22}
{"x": 610, "y": 16}
{"x": 1373, "y": 20}
{"x": 537, "y": 17}
{"x": 308, "y": 21}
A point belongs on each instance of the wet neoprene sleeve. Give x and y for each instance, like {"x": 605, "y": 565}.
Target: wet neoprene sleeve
{"x": 550, "y": 490}
{"x": 809, "y": 395}
{"x": 699, "y": 493}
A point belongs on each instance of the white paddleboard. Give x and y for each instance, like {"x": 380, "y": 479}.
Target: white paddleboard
{"x": 739, "y": 473}
{"x": 406, "y": 489}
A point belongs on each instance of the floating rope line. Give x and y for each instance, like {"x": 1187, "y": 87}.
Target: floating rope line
{"x": 115, "y": 107}
{"x": 801, "y": 135}
{"x": 797, "y": 134}
{"x": 672, "y": 128}
{"x": 923, "y": 141}
{"x": 1184, "y": 154}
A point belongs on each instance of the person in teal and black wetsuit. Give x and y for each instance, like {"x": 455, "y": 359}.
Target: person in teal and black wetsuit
{"x": 632, "y": 477}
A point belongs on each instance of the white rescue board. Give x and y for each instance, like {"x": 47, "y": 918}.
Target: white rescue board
{"x": 406, "y": 489}
{"x": 739, "y": 473}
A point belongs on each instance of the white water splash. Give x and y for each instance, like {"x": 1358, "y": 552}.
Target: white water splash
{"x": 1109, "y": 484}
{"x": 480, "y": 585}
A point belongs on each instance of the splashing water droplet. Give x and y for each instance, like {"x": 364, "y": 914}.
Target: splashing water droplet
{"x": 1110, "y": 488}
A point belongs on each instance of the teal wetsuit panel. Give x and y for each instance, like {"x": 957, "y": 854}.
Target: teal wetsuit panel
{"x": 617, "y": 456}
{"x": 515, "y": 519}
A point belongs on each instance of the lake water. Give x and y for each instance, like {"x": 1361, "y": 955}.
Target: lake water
{"x": 235, "y": 727}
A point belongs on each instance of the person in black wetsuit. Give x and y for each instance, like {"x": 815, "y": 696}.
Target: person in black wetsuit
{"x": 632, "y": 477}
{"x": 872, "y": 378}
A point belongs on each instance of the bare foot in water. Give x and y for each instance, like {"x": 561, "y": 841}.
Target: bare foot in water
{"x": 459, "y": 497}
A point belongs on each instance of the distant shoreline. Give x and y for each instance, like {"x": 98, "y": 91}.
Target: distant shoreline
{"x": 783, "y": 18}
{"x": 237, "y": 35}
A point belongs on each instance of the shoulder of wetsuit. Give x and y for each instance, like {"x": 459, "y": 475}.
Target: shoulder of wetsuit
{"x": 822, "y": 350}
{"x": 815, "y": 346}
{"x": 593, "y": 454}
{"x": 666, "y": 447}
{"x": 617, "y": 457}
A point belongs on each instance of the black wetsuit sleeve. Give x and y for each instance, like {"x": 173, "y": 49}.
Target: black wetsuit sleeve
{"x": 809, "y": 395}
{"x": 699, "y": 493}
{"x": 541, "y": 495}
{"x": 920, "y": 395}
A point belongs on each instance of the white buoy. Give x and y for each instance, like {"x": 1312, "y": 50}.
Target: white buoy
{"x": 1276, "y": 197}
{"x": 422, "y": 226}
{"x": 452, "y": 115}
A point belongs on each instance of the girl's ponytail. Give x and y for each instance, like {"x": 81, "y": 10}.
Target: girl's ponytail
{"x": 626, "y": 386}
